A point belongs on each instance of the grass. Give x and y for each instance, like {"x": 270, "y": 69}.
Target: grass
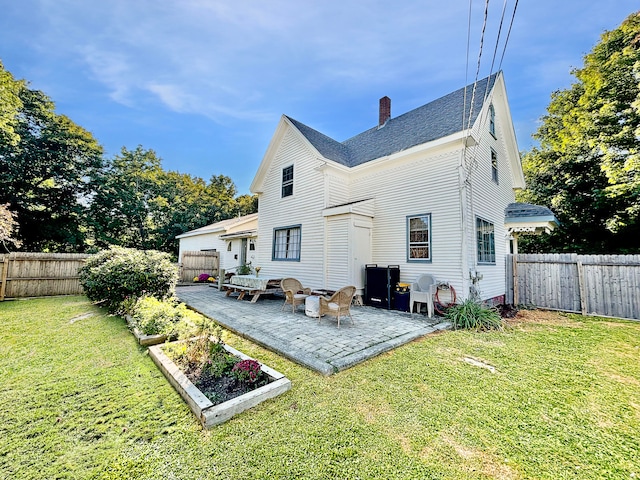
{"x": 79, "y": 399}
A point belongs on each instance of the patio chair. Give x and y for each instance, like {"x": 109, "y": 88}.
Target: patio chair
{"x": 422, "y": 291}
{"x": 338, "y": 305}
{"x": 294, "y": 293}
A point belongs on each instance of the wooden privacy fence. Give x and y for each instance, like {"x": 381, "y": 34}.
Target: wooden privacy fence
{"x": 40, "y": 274}
{"x": 605, "y": 285}
{"x": 193, "y": 263}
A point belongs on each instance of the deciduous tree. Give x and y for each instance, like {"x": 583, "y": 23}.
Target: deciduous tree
{"x": 587, "y": 167}
{"x": 46, "y": 173}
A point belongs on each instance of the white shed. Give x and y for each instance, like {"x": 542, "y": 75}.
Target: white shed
{"x": 235, "y": 239}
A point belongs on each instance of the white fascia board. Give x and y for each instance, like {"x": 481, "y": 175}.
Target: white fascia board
{"x": 456, "y": 140}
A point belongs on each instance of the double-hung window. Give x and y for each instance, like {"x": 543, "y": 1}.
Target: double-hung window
{"x": 287, "y": 181}
{"x": 419, "y": 238}
{"x": 286, "y": 243}
{"x": 486, "y": 241}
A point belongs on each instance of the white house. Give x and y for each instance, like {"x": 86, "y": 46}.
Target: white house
{"x": 235, "y": 239}
{"x": 426, "y": 190}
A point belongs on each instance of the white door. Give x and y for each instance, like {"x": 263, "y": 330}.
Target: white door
{"x": 361, "y": 253}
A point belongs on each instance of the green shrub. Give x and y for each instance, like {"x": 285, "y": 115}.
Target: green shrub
{"x": 167, "y": 317}
{"x": 473, "y": 315}
{"x": 156, "y": 317}
{"x": 117, "y": 275}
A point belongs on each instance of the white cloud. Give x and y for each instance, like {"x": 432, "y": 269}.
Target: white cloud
{"x": 228, "y": 57}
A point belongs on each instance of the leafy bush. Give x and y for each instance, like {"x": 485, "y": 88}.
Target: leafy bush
{"x": 119, "y": 274}
{"x": 473, "y": 315}
{"x": 166, "y": 317}
{"x": 156, "y": 317}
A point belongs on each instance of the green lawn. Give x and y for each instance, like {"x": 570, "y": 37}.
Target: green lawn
{"x": 79, "y": 399}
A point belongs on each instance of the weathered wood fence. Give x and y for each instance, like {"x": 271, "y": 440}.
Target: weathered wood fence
{"x": 40, "y": 274}
{"x": 193, "y": 263}
{"x": 606, "y": 285}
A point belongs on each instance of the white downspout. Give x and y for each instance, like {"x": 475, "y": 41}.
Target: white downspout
{"x": 464, "y": 256}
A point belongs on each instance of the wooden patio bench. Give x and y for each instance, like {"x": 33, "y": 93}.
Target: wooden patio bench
{"x": 242, "y": 291}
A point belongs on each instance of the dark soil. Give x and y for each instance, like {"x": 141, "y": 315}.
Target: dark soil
{"x": 507, "y": 311}
{"x": 219, "y": 389}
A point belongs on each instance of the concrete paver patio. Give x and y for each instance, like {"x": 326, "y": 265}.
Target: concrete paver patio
{"x": 319, "y": 346}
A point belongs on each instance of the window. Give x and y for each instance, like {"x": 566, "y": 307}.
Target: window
{"x": 287, "y": 181}
{"x": 486, "y": 241}
{"x": 494, "y": 166}
{"x": 492, "y": 120}
{"x": 286, "y": 243}
{"x": 419, "y": 238}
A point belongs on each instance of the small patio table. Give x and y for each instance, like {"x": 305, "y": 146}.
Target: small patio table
{"x": 251, "y": 284}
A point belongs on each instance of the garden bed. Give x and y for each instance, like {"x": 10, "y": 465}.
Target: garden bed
{"x": 208, "y": 413}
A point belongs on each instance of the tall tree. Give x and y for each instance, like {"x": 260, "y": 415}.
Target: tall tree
{"x": 10, "y": 105}
{"x": 587, "y": 165}
{"x": 46, "y": 168}
{"x": 138, "y": 204}
{"x": 120, "y": 212}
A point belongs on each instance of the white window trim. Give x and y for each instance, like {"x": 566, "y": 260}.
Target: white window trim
{"x": 480, "y": 251}
{"x": 428, "y": 243}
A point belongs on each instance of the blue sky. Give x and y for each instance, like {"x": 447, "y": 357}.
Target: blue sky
{"x": 204, "y": 82}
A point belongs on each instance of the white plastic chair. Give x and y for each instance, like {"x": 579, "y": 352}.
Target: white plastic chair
{"x": 423, "y": 291}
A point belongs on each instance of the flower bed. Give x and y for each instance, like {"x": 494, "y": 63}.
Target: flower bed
{"x": 250, "y": 384}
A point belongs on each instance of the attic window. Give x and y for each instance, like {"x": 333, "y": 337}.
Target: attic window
{"x": 287, "y": 181}
{"x": 494, "y": 166}
{"x": 492, "y": 120}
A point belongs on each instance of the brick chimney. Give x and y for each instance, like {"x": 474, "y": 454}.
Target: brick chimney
{"x": 385, "y": 110}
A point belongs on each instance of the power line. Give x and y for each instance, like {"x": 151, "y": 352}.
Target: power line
{"x": 475, "y": 82}
{"x": 513, "y": 16}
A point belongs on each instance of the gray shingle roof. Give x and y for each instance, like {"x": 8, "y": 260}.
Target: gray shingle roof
{"x": 437, "y": 119}
{"x": 523, "y": 210}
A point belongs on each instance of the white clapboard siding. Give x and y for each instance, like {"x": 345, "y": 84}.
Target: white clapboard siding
{"x": 303, "y": 208}
{"x": 488, "y": 200}
{"x": 427, "y": 185}
{"x": 338, "y": 253}
{"x": 607, "y": 285}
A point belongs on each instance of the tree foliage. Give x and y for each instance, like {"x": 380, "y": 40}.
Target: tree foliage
{"x": 8, "y": 228}
{"x": 138, "y": 204}
{"x": 588, "y": 162}
{"x": 10, "y": 105}
{"x": 46, "y": 173}
{"x": 67, "y": 196}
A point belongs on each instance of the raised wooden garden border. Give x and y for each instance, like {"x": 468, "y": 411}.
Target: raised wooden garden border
{"x": 144, "y": 340}
{"x": 208, "y": 413}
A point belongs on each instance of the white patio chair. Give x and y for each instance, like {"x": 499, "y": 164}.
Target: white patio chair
{"x": 423, "y": 291}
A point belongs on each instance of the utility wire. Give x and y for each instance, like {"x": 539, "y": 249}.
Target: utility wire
{"x": 513, "y": 16}
{"x": 466, "y": 71}
{"x": 475, "y": 82}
